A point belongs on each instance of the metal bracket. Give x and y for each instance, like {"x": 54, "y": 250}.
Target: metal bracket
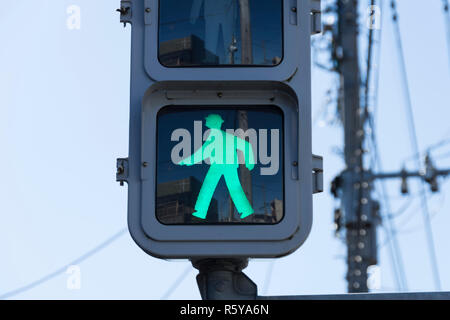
{"x": 122, "y": 170}
{"x": 431, "y": 174}
{"x": 317, "y": 168}
{"x": 125, "y": 12}
{"x": 223, "y": 279}
{"x": 316, "y": 17}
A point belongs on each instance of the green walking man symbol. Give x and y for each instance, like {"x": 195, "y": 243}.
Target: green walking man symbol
{"x": 220, "y": 151}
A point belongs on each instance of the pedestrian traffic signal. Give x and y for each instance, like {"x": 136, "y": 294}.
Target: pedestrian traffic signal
{"x": 220, "y": 161}
{"x": 199, "y": 146}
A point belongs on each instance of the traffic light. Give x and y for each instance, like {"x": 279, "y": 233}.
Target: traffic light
{"x": 189, "y": 188}
{"x": 220, "y": 161}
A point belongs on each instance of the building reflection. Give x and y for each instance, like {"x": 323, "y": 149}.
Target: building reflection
{"x": 175, "y": 202}
{"x": 272, "y": 216}
{"x": 188, "y": 51}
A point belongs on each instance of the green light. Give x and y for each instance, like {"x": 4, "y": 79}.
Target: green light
{"x": 223, "y": 159}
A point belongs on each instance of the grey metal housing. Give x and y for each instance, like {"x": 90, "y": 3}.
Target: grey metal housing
{"x": 154, "y": 86}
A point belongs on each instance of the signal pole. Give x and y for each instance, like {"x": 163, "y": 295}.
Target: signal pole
{"x": 353, "y": 186}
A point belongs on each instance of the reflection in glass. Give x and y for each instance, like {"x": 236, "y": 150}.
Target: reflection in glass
{"x": 220, "y": 32}
{"x": 248, "y": 184}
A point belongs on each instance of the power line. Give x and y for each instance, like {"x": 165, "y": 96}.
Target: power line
{"x": 177, "y": 283}
{"x": 406, "y": 208}
{"x": 269, "y": 276}
{"x": 447, "y": 24}
{"x": 403, "y": 209}
{"x": 63, "y": 269}
{"x": 442, "y": 143}
{"x": 396, "y": 260}
{"x": 358, "y": 213}
{"x": 369, "y": 64}
{"x": 416, "y": 228}
{"x": 394, "y": 248}
{"x": 415, "y": 146}
{"x": 442, "y": 156}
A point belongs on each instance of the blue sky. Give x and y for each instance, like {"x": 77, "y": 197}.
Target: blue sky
{"x": 64, "y": 120}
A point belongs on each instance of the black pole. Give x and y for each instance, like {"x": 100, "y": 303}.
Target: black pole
{"x": 223, "y": 279}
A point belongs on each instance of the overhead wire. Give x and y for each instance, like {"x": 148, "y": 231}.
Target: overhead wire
{"x": 415, "y": 228}
{"x": 369, "y": 65}
{"x": 406, "y": 220}
{"x": 403, "y": 209}
{"x": 177, "y": 283}
{"x": 63, "y": 269}
{"x": 269, "y": 274}
{"x": 447, "y": 25}
{"x": 415, "y": 147}
{"x": 394, "y": 249}
{"x": 442, "y": 156}
{"x": 441, "y": 143}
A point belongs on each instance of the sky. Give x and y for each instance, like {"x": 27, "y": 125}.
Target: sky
{"x": 64, "y": 112}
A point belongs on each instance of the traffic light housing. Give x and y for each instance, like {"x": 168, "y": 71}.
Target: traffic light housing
{"x": 220, "y": 161}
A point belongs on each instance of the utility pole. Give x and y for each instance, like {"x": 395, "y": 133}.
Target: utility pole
{"x": 358, "y": 213}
